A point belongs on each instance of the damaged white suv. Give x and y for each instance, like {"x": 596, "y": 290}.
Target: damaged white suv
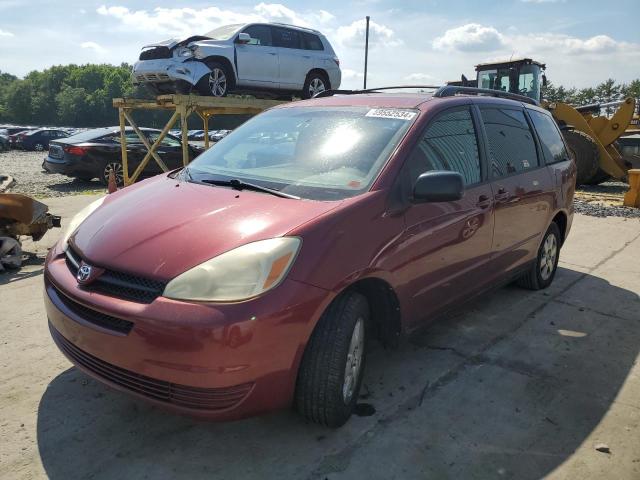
{"x": 258, "y": 57}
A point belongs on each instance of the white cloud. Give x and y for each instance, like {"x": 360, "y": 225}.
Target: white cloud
{"x": 419, "y": 76}
{"x": 93, "y": 46}
{"x": 349, "y": 74}
{"x": 471, "y": 37}
{"x": 181, "y": 22}
{"x": 353, "y": 35}
{"x": 4, "y": 33}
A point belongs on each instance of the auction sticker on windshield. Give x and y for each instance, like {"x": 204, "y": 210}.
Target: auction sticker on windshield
{"x": 391, "y": 113}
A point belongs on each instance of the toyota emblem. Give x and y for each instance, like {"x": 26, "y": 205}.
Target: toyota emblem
{"x": 84, "y": 273}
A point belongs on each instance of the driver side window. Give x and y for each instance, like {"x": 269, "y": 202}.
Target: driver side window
{"x": 448, "y": 143}
{"x": 260, "y": 35}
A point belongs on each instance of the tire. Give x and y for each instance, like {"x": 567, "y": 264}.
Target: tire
{"x": 585, "y": 153}
{"x": 38, "y": 147}
{"x": 542, "y": 272}
{"x": 315, "y": 82}
{"x": 119, "y": 174}
{"x": 326, "y": 389}
{"x": 598, "y": 178}
{"x": 216, "y": 83}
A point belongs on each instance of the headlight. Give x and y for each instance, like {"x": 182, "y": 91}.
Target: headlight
{"x": 185, "y": 52}
{"x": 238, "y": 274}
{"x": 78, "y": 219}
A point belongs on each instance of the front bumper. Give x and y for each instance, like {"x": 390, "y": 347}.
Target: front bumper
{"x": 216, "y": 361}
{"x": 168, "y": 70}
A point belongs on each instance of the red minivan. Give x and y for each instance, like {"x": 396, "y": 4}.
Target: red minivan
{"x": 253, "y": 279}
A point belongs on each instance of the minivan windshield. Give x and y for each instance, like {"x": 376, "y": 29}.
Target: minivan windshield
{"x": 319, "y": 153}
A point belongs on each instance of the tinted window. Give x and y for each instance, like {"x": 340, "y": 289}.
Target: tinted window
{"x": 312, "y": 42}
{"x": 511, "y": 145}
{"x": 283, "y": 37}
{"x": 449, "y": 143}
{"x": 166, "y": 141}
{"x": 552, "y": 144}
{"x": 260, "y": 35}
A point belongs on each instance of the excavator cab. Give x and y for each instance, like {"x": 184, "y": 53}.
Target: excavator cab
{"x": 523, "y": 77}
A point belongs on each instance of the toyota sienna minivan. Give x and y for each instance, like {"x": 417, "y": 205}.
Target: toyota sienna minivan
{"x": 253, "y": 279}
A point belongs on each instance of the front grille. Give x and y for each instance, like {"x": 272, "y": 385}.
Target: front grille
{"x": 155, "y": 53}
{"x": 56, "y": 151}
{"x": 92, "y": 316}
{"x": 119, "y": 284}
{"x": 196, "y": 398}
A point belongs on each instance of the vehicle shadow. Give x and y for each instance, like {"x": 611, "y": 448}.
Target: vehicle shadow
{"x": 539, "y": 394}
{"x": 76, "y": 186}
{"x": 29, "y": 259}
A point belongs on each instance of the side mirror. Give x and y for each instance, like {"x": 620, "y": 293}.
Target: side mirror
{"x": 243, "y": 38}
{"x": 544, "y": 80}
{"x": 438, "y": 186}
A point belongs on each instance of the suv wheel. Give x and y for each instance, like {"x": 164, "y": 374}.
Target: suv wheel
{"x": 542, "y": 272}
{"x": 216, "y": 83}
{"x": 331, "y": 370}
{"x": 118, "y": 172}
{"x": 316, "y": 82}
{"x": 38, "y": 147}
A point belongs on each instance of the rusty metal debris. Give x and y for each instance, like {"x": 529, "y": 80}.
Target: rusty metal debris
{"x": 21, "y": 215}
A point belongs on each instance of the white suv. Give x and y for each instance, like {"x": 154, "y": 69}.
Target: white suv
{"x": 256, "y": 57}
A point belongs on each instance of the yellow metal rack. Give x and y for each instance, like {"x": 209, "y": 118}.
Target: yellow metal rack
{"x": 182, "y": 106}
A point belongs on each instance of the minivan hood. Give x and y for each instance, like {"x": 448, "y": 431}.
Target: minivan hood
{"x": 162, "y": 227}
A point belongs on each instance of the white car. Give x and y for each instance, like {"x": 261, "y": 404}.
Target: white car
{"x": 257, "y": 57}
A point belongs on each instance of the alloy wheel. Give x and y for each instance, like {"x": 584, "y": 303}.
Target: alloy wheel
{"x": 38, "y": 147}
{"x": 548, "y": 257}
{"x": 316, "y": 85}
{"x": 354, "y": 361}
{"x": 118, "y": 173}
{"x": 217, "y": 83}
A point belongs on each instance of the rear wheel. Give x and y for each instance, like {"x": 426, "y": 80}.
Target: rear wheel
{"x": 118, "y": 172}
{"x": 333, "y": 363}
{"x": 315, "y": 83}
{"x": 585, "y": 153}
{"x": 541, "y": 274}
{"x": 38, "y": 147}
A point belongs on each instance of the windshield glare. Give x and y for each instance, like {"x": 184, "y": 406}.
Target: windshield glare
{"x": 316, "y": 153}
{"x": 223, "y": 33}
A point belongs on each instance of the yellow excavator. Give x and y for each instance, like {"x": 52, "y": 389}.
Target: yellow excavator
{"x": 590, "y": 136}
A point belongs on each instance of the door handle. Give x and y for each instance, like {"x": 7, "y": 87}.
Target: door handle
{"x": 483, "y": 201}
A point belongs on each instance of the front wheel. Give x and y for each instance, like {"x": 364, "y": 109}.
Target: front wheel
{"x": 541, "y": 274}
{"x": 315, "y": 83}
{"x": 333, "y": 362}
{"x": 216, "y": 83}
{"x": 38, "y": 147}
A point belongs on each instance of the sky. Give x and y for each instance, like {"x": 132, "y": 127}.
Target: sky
{"x": 583, "y": 42}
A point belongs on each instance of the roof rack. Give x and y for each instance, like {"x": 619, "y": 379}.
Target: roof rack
{"x": 451, "y": 90}
{"x": 330, "y": 93}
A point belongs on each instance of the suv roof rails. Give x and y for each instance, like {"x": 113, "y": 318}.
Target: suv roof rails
{"x": 289, "y": 25}
{"x": 330, "y": 92}
{"x": 451, "y": 90}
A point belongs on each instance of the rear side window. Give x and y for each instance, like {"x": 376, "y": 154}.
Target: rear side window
{"x": 312, "y": 42}
{"x": 552, "y": 145}
{"x": 511, "y": 145}
{"x": 260, "y": 35}
{"x": 285, "y": 38}
{"x": 449, "y": 143}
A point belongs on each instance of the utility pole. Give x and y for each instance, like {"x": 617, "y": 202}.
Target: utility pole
{"x": 366, "y": 53}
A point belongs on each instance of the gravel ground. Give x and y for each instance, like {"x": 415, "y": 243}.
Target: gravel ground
{"x": 26, "y": 167}
{"x": 31, "y": 179}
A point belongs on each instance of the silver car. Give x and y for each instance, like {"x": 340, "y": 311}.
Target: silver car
{"x": 257, "y": 57}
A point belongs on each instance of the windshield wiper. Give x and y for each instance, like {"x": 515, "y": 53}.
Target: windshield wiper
{"x": 238, "y": 184}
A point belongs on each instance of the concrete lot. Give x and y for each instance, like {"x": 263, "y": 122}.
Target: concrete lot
{"x": 518, "y": 385}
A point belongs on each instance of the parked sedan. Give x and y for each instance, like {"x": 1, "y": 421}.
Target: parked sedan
{"x": 38, "y": 140}
{"x": 95, "y": 153}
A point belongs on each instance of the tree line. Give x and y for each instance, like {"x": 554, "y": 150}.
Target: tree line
{"x": 81, "y": 96}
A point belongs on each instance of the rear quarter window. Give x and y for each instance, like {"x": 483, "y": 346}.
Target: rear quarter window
{"x": 553, "y": 146}
{"x": 312, "y": 42}
{"x": 511, "y": 145}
